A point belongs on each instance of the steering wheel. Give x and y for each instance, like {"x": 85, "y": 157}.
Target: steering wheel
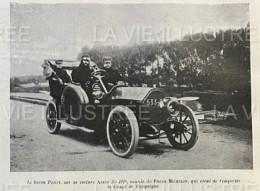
{"x": 98, "y": 73}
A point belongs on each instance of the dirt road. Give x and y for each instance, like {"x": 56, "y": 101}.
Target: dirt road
{"x": 34, "y": 149}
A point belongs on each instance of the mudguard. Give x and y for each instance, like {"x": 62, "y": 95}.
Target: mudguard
{"x": 73, "y": 97}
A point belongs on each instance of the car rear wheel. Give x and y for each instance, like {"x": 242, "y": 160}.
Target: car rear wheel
{"x": 182, "y": 133}
{"x": 51, "y": 118}
{"x": 122, "y": 131}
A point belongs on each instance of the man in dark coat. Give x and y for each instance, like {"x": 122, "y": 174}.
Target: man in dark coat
{"x": 61, "y": 73}
{"x": 82, "y": 73}
{"x": 57, "y": 78}
{"x": 112, "y": 75}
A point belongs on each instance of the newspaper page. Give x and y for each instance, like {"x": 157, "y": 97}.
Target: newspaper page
{"x": 138, "y": 95}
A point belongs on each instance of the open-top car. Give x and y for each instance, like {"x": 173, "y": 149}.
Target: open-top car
{"x": 124, "y": 114}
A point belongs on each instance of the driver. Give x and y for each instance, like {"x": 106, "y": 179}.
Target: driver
{"x": 112, "y": 75}
{"x": 82, "y": 73}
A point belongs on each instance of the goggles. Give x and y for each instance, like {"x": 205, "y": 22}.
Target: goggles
{"x": 86, "y": 59}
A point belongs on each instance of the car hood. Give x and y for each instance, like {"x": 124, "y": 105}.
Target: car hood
{"x": 131, "y": 93}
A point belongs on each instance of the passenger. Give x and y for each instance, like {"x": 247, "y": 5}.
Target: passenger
{"x": 61, "y": 73}
{"x": 113, "y": 76}
{"x": 57, "y": 77}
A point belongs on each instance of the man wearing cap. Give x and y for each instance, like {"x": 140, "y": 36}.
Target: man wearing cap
{"x": 82, "y": 73}
{"x": 112, "y": 75}
{"x": 61, "y": 73}
{"x": 57, "y": 78}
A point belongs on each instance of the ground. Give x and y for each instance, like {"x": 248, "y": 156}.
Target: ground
{"x": 34, "y": 149}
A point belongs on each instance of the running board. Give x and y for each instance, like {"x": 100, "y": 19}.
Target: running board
{"x": 76, "y": 127}
{"x": 149, "y": 137}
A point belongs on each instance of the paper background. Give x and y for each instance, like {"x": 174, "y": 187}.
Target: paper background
{"x": 15, "y": 181}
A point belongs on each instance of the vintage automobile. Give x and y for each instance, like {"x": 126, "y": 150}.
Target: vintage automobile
{"x": 124, "y": 115}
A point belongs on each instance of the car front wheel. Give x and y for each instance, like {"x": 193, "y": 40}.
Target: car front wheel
{"x": 183, "y": 132}
{"x": 122, "y": 131}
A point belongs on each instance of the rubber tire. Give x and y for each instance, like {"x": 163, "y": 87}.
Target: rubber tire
{"x": 57, "y": 127}
{"x": 195, "y": 131}
{"x": 134, "y": 128}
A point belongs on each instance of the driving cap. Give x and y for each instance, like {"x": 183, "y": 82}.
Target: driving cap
{"x": 85, "y": 55}
{"x": 107, "y": 58}
{"x": 59, "y": 61}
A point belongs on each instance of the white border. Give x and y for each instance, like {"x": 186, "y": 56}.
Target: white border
{"x": 247, "y": 176}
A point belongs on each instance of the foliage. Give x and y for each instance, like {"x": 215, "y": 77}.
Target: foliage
{"x": 218, "y": 61}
